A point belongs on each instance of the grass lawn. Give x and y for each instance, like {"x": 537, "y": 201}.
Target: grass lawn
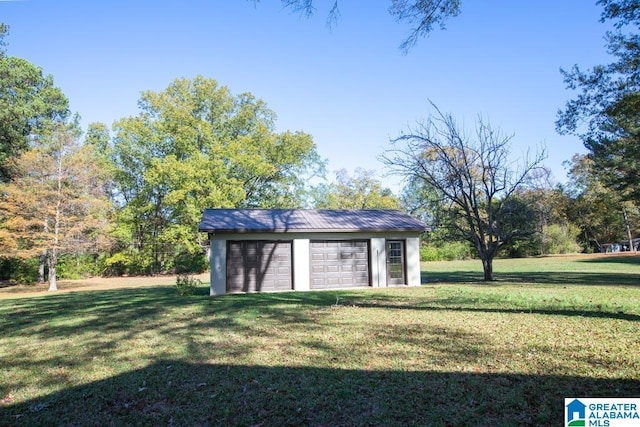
{"x": 451, "y": 352}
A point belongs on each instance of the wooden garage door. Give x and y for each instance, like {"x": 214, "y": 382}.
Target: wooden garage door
{"x": 254, "y": 266}
{"x": 339, "y": 264}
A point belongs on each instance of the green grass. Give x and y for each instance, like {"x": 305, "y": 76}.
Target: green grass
{"x": 452, "y": 352}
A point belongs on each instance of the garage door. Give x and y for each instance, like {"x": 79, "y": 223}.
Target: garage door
{"x": 339, "y": 264}
{"x": 254, "y": 266}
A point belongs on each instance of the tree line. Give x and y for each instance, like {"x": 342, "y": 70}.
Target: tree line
{"x": 127, "y": 199}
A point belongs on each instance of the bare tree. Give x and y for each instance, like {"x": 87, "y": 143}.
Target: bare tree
{"x": 475, "y": 178}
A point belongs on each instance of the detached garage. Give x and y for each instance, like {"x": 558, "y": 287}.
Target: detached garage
{"x": 257, "y": 250}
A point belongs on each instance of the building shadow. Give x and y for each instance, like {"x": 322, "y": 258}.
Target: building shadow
{"x": 171, "y": 392}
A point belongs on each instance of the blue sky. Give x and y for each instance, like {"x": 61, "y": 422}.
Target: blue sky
{"x": 349, "y": 86}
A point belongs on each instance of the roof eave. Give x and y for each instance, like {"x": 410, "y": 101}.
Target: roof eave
{"x": 312, "y": 231}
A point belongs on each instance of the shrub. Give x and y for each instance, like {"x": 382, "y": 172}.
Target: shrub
{"x": 560, "y": 239}
{"x": 78, "y": 266}
{"x": 128, "y": 262}
{"x": 446, "y": 251}
{"x": 191, "y": 263}
{"x": 186, "y": 284}
{"x": 523, "y": 248}
{"x": 429, "y": 253}
{"x": 18, "y": 270}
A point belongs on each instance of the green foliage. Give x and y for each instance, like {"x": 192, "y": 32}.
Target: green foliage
{"x": 441, "y": 245}
{"x": 445, "y": 251}
{"x": 29, "y": 104}
{"x": 525, "y": 247}
{"x": 129, "y": 262}
{"x": 559, "y": 239}
{"x": 423, "y": 202}
{"x": 193, "y": 263}
{"x": 187, "y": 284}
{"x": 608, "y": 101}
{"x": 19, "y": 270}
{"x": 362, "y": 191}
{"x": 195, "y": 146}
{"x": 4, "y": 31}
{"x": 595, "y": 208}
{"x": 80, "y": 266}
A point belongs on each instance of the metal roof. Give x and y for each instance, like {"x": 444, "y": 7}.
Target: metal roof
{"x": 307, "y": 220}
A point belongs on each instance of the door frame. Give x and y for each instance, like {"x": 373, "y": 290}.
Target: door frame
{"x": 401, "y": 245}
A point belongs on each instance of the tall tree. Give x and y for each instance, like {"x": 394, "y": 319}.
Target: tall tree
{"x": 422, "y": 15}
{"x": 4, "y": 31}
{"x": 29, "y": 103}
{"x": 475, "y": 178}
{"x": 606, "y": 112}
{"x": 54, "y": 202}
{"x": 362, "y": 191}
{"x": 598, "y": 210}
{"x": 194, "y": 146}
{"x": 555, "y": 231}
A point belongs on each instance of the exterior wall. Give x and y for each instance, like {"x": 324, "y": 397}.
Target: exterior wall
{"x": 301, "y": 256}
{"x": 412, "y": 255}
{"x": 218, "y": 262}
{"x": 301, "y": 272}
{"x": 378, "y": 262}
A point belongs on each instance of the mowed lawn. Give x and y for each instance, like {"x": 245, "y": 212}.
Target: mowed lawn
{"x": 454, "y": 351}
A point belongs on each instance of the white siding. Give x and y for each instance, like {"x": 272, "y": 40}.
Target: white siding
{"x": 378, "y": 263}
{"x": 301, "y": 271}
{"x": 413, "y": 261}
{"x": 218, "y": 267}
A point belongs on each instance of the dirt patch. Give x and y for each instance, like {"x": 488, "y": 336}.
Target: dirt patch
{"x": 96, "y": 284}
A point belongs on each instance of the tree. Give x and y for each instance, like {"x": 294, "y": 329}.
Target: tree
{"x": 195, "y": 146}
{"x": 29, "y": 103}
{"x": 474, "y": 178}
{"x": 422, "y": 15}
{"x": 4, "y": 31}
{"x": 608, "y": 102}
{"x": 363, "y": 191}
{"x": 596, "y": 209}
{"x": 54, "y": 202}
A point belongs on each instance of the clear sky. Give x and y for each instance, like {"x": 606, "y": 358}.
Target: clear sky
{"x": 349, "y": 86}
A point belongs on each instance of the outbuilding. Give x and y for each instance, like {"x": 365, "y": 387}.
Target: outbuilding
{"x": 253, "y": 250}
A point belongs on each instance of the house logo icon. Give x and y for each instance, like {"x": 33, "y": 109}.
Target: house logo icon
{"x": 576, "y": 414}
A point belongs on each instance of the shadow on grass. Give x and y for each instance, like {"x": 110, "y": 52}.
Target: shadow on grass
{"x": 134, "y": 310}
{"x": 177, "y": 393}
{"x": 538, "y": 277}
{"x": 626, "y": 259}
{"x": 465, "y": 305}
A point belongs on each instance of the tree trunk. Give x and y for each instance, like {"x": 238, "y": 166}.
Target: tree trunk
{"x": 629, "y": 236}
{"x": 53, "y": 254}
{"x": 41, "y": 266}
{"x": 487, "y": 266}
{"x": 53, "y": 265}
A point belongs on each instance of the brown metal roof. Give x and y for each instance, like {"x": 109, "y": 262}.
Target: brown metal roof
{"x": 306, "y": 220}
